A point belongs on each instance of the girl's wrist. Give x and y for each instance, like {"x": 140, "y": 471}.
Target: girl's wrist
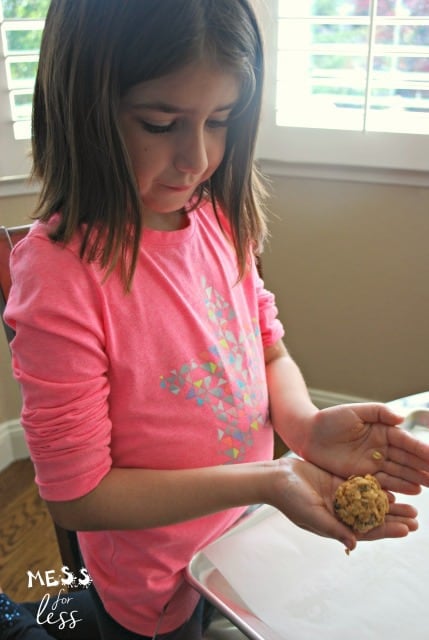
{"x": 277, "y": 480}
{"x": 298, "y": 430}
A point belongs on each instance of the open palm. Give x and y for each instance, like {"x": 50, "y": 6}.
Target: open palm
{"x": 357, "y": 439}
{"x": 307, "y": 498}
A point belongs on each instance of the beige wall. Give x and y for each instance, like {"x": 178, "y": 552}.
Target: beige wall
{"x": 349, "y": 264}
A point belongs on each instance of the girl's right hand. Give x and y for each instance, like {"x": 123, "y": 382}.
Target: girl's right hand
{"x": 305, "y": 494}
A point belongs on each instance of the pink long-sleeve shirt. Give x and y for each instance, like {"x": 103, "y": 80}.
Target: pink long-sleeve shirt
{"x": 168, "y": 376}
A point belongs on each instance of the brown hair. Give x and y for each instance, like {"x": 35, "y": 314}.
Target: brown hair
{"x": 92, "y": 53}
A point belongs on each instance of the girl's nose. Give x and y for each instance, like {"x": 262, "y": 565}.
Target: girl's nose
{"x": 192, "y": 153}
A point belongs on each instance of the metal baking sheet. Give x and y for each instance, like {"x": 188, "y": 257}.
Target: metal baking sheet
{"x": 405, "y": 406}
{"x": 417, "y": 422}
{"x": 209, "y": 581}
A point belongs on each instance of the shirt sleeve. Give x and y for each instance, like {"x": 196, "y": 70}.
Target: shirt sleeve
{"x": 271, "y": 328}
{"x": 59, "y": 359}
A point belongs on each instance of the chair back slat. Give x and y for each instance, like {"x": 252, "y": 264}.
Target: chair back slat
{"x": 9, "y": 236}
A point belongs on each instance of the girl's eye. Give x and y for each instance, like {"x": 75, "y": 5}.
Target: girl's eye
{"x": 165, "y": 128}
{"x": 156, "y": 128}
{"x": 217, "y": 124}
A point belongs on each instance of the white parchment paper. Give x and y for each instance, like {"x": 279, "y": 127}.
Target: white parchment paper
{"x": 306, "y": 588}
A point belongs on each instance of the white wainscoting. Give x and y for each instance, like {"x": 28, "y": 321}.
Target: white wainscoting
{"x": 13, "y": 446}
{"x": 12, "y": 443}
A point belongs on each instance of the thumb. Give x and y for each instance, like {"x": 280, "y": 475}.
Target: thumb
{"x": 378, "y": 412}
{"x": 390, "y": 417}
{"x": 330, "y": 527}
{"x": 349, "y": 542}
{"x": 345, "y": 536}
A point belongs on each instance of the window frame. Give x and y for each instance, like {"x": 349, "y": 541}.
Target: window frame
{"x": 15, "y": 156}
{"x": 318, "y": 153}
{"x": 373, "y": 156}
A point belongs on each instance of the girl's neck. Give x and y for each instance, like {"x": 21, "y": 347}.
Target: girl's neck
{"x": 165, "y": 221}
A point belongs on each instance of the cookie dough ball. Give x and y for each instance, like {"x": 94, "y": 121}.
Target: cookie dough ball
{"x": 361, "y": 503}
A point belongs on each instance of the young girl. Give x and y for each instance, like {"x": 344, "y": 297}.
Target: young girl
{"x": 149, "y": 353}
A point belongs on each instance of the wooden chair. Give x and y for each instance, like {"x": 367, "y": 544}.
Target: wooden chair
{"x": 9, "y": 236}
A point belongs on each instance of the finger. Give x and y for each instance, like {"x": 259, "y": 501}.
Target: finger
{"x": 397, "y": 484}
{"x": 328, "y": 526}
{"x": 409, "y": 446}
{"x": 398, "y": 464}
{"x": 400, "y": 521}
{"x": 395, "y": 465}
{"x": 407, "y": 459}
{"x": 391, "y": 529}
{"x": 401, "y": 510}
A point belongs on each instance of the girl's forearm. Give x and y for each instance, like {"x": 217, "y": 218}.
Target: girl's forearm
{"x": 291, "y": 407}
{"x": 142, "y": 498}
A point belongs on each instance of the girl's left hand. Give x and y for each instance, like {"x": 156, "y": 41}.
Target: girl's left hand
{"x": 305, "y": 493}
{"x": 357, "y": 439}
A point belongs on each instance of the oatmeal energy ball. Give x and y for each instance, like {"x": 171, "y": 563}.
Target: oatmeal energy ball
{"x": 361, "y": 503}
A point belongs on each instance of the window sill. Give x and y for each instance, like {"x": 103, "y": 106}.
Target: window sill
{"x": 17, "y": 186}
{"x": 370, "y": 175}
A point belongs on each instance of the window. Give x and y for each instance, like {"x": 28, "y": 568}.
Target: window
{"x": 349, "y": 65}
{"x": 348, "y": 83}
{"x": 21, "y": 31}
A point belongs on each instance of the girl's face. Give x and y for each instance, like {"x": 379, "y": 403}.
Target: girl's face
{"x": 175, "y": 130}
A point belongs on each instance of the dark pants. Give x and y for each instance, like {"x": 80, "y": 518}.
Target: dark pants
{"x": 191, "y": 630}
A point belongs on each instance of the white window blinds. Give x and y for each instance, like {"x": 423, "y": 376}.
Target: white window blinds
{"x": 22, "y": 24}
{"x": 353, "y": 65}
{"x": 347, "y": 86}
